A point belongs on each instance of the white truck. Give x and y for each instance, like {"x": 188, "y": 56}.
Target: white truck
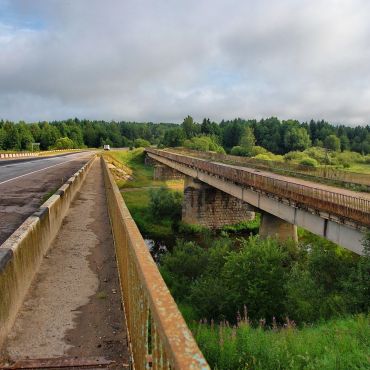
{"x": 106, "y": 147}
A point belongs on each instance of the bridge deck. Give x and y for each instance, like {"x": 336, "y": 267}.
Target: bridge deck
{"x": 73, "y": 308}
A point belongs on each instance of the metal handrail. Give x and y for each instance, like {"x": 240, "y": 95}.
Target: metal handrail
{"x": 341, "y": 205}
{"x": 158, "y": 335}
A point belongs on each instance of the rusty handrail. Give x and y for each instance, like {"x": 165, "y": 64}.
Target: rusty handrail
{"x": 158, "y": 334}
{"x": 341, "y": 205}
{"x": 325, "y": 173}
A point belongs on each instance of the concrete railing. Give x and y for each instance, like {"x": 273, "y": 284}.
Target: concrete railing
{"x": 21, "y": 254}
{"x": 352, "y": 208}
{"x": 34, "y": 154}
{"x": 158, "y": 335}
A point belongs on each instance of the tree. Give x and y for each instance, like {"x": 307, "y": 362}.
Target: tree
{"x": 64, "y": 143}
{"x": 247, "y": 140}
{"x": 296, "y": 138}
{"x": 190, "y": 128}
{"x": 332, "y": 142}
{"x": 141, "y": 143}
{"x": 173, "y": 137}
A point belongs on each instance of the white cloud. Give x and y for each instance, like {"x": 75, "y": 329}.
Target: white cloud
{"x": 162, "y": 60}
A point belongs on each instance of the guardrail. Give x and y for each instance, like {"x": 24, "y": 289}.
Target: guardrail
{"x": 159, "y": 337}
{"x": 341, "y": 205}
{"x": 34, "y": 154}
{"x": 325, "y": 173}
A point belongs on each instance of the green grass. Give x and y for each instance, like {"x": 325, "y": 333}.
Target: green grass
{"x": 142, "y": 175}
{"x": 137, "y": 200}
{"x": 359, "y": 168}
{"x": 336, "y": 344}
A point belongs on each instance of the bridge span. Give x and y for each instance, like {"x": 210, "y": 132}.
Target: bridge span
{"x": 340, "y": 215}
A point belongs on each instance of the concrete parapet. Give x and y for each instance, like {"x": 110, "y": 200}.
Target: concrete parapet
{"x": 21, "y": 254}
{"x": 162, "y": 172}
{"x": 207, "y": 206}
{"x": 272, "y": 226}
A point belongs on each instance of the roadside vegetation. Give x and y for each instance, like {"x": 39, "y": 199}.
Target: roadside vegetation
{"x": 253, "y": 303}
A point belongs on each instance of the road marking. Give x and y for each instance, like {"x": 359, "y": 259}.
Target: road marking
{"x": 30, "y": 173}
{"x": 45, "y": 159}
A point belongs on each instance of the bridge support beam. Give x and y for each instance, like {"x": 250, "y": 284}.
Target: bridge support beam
{"x": 272, "y": 226}
{"x": 209, "y": 207}
{"x": 163, "y": 172}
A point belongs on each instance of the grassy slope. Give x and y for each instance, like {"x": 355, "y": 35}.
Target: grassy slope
{"x": 137, "y": 200}
{"x": 337, "y": 344}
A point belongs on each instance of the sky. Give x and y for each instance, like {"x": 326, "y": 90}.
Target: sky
{"x": 160, "y": 60}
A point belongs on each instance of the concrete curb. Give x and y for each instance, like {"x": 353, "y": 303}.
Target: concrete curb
{"x": 27, "y": 154}
{"x": 21, "y": 254}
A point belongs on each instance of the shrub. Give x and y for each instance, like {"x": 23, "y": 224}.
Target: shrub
{"x": 164, "y": 203}
{"x": 258, "y": 150}
{"x": 268, "y": 156}
{"x": 240, "y": 151}
{"x": 64, "y": 143}
{"x": 141, "y": 143}
{"x": 295, "y": 156}
{"x": 256, "y": 274}
{"x": 204, "y": 144}
{"x": 183, "y": 266}
{"x": 317, "y": 153}
{"x": 309, "y": 162}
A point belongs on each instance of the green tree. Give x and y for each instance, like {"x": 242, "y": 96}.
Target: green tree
{"x": 64, "y": 143}
{"x": 141, "y": 143}
{"x": 247, "y": 141}
{"x": 190, "y": 127}
{"x": 174, "y": 137}
{"x": 257, "y": 274}
{"x": 296, "y": 138}
{"x": 332, "y": 142}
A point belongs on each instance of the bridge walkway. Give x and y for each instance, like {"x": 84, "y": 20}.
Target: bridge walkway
{"x": 72, "y": 313}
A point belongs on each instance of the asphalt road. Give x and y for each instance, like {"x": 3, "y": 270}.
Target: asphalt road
{"x": 25, "y": 185}
{"x": 27, "y": 167}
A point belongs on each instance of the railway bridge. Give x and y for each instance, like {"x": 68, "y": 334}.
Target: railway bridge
{"x": 232, "y": 192}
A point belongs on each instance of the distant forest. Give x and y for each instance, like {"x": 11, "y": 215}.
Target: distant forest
{"x": 276, "y": 136}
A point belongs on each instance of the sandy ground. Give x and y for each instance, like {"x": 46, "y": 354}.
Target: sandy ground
{"x": 73, "y": 307}
{"x": 21, "y": 197}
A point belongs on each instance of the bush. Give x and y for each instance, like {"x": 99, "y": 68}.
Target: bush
{"x": 295, "y": 156}
{"x": 309, "y": 162}
{"x": 240, "y": 151}
{"x": 164, "y": 203}
{"x": 141, "y": 143}
{"x": 64, "y": 143}
{"x": 317, "y": 153}
{"x": 204, "y": 144}
{"x": 268, "y": 156}
{"x": 258, "y": 150}
{"x": 256, "y": 274}
{"x": 183, "y": 266}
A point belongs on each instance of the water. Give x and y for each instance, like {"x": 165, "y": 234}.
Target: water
{"x": 157, "y": 248}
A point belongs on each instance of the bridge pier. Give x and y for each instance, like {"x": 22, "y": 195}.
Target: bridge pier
{"x": 212, "y": 208}
{"x": 272, "y": 226}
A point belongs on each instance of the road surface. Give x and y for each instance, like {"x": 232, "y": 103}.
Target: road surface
{"x": 25, "y": 184}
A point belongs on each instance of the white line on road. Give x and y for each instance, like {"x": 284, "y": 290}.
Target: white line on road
{"x": 30, "y": 173}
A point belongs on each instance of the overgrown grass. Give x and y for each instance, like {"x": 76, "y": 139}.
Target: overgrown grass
{"x": 137, "y": 202}
{"x": 142, "y": 175}
{"x": 336, "y": 344}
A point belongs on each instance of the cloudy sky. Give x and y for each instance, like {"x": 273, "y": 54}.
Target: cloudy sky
{"x": 160, "y": 60}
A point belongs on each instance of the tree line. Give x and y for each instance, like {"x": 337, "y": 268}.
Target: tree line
{"x": 277, "y": 136}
